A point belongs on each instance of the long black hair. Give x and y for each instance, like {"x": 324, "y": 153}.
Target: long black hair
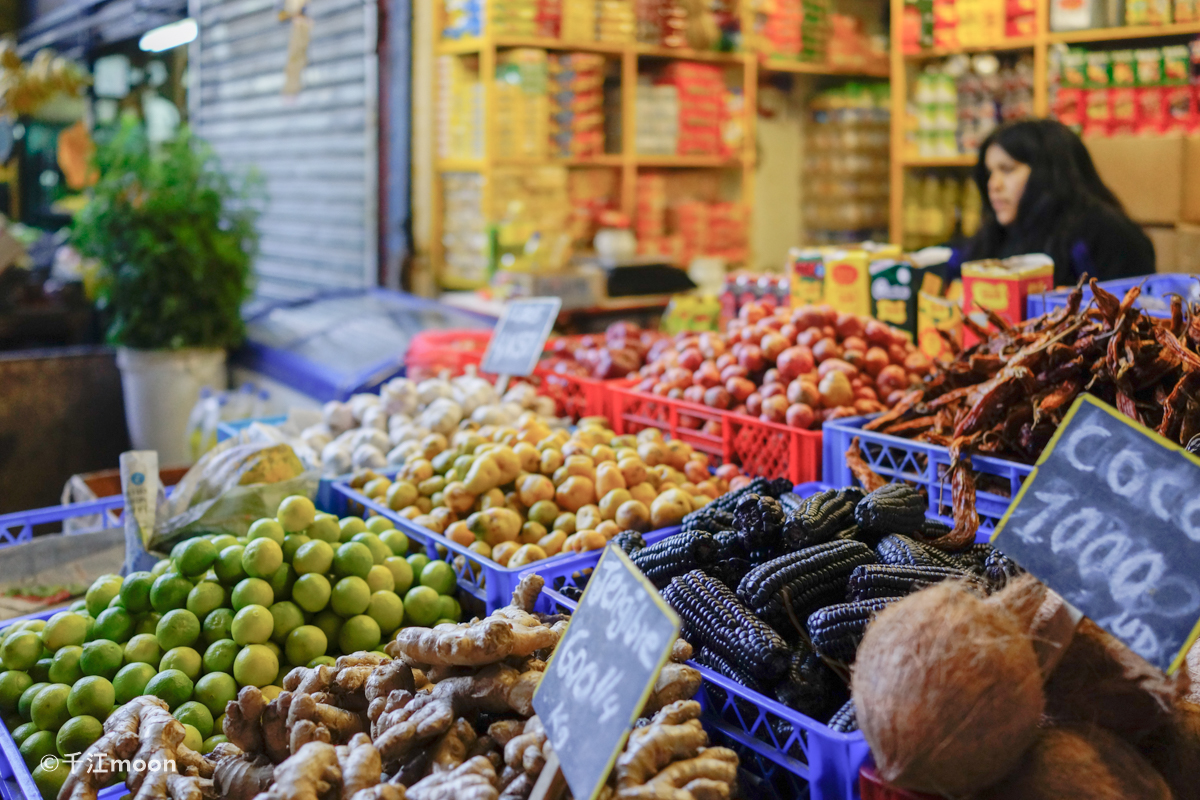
{"x": 1063, "y": 188}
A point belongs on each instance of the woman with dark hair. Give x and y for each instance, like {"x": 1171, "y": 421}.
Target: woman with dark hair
{"x": 1041, "y": 194}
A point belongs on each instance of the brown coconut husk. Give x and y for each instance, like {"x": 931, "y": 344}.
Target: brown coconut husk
{"x": 1174, "y": 750}
{"x": 1044, "y": 614}
{"x": 1191, "y": 670}
{"x": 1102, "y": 682}
{"x": 1080, "y": 763}
{"x": 947, "y": 691}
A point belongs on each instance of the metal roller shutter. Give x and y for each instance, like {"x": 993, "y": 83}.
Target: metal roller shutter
{"x": 316, "y": 151}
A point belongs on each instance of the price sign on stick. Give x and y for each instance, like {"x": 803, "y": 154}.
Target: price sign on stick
{"x": 1110, "y": 519}
{"x": 603, "y": 670}
{"x": 520, "y": 335}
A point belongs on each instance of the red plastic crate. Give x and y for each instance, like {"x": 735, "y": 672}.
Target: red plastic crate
{"x": 576, "y": 395}
{"x": 874, "y": 788}
{"x": 761, "y": 449}
{"x": 433, "y": 352}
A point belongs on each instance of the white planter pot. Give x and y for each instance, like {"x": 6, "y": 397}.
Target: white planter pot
{"x": 160, "y": 388}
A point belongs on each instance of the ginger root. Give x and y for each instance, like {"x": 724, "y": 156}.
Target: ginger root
{"x": 451, "y": 750}
{"x": 675, "y": 682}
{"x": 473, "y": 780}
{"x": 309, "y": 774}
{"x": 119, "y": 743}
{"x": 360, "y": 765}
{"x": 326, "y": 722}
{"x": 255, "y": 725}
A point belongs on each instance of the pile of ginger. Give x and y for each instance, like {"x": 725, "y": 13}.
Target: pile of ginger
{"x": 449, "y": 716}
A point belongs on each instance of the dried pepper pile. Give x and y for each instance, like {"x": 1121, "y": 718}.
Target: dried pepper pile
{"x": 1007, "y": 395}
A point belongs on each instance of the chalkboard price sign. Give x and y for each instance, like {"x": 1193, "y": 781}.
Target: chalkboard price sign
{"x": 520, "y": 335}
{"x": 1110, "y": 519}
{"x": 603, "y": 669}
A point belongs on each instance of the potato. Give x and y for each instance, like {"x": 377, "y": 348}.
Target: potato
{"x": 571, "y": 544}
{"x": 602, "y": 453}
{"x": 444, "y": 516}
{"x": 574, "y": 448}
{"x": 649, "y": 435}
{"x": 377, "y": 488}
{"x": 533, "y": 489}
{"x": 552, "y": 543}
{"x": 575, "y": 493}
{"x": 438, "y": 499}
{"x": 509, "y": 463}
{"x": 526, "y": 554}
{"x": 531, "y": 533}
{"x": 609, "y": 477}
{"x": 430, "y": 485}
{"x": 559, "y": 476}
{"x": 528, "y": 456}
{"x": 590, "y": 540}
{"x": 493, "y": 498}
{"x": 633, "y": 470}
{"x": 653, "y": 453}
{"x": 428, "y": 522}
{"x": 502, "y": 552}
{"x": 612, "y": 501}
{"x": 457, "y": 498}
{"x": 624, "y": 441}
{"x": 484, "y": 474}
{"x": 482, "y": 548}
{"x": 700, "y": 500}
{"x": 410, "y": 513}
{"x": 582, "y": 466}
{"x": 459, "y": 533}
{"x": 633, "y": 515}
{"x": 607, "y": 529}
{"x": 423, "y": 504}
{"x": 544, "y": 512}
{"x": 644, "y": 493}
{"x": 678, "y": 453}
{"x": 696, "y": 472}
{"x": 432, "y": 445}
{"x": 588, "y": 517}
{"x": 669, "y": 508}
{"x": 417, "y": 470}
{"x": 401, "y": 494}
{"x": 565, "y": 522}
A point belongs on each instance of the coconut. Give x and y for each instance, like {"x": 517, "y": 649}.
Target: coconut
{"x": 1102, "y": 682}
{"x": 1043, "y": 613}
{"x": 1085, "y": 763}
{"x": 947, "y": 691}
{"x": 1174, "y": 750}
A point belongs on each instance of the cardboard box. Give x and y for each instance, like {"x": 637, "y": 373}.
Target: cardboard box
{"x": 1126, "y": 162}
{"x": 1187, "y": 248}
{"x": 1191, "y": 180}
{"x": 1166, "y": 247}
{"x": 1003, "y": 287}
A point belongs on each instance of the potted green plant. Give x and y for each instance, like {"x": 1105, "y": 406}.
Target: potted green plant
{"x": 174, "y": 238}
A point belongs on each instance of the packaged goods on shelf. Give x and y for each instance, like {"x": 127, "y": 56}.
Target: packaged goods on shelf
{"x": 657, "y": 119}
{"x": 701, "y": 91}
{"x": 522, "y": 107}
{"x": 846, "y": 164}
{"x": 778, "y": 25}
{"x": 529, "y": 202}
{"x": 849, "y": 47}
{"x": 464, "y": 230}
{"x": 578, "y": 20}
{"x": 937, "y": 206}
{"x": 591, "y": 193}
{"x": 954, "y": 24}
{"x": 814, "y": 29}
{"x": 462, "y": 18}
{"x": 615, "y": 21}
{"x": 459, "y": 108}
{"x": 960, "y": 101}
{"x": 576, "y": 84}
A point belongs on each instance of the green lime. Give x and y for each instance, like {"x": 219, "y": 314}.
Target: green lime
{"x": 222, "y": 541}
{"x": 449, "y": 608}
{"x": 211, "y": 743}
{"x": 160, "y": 567}
{"x": 348, "y": 526}
{"x": 351, "y": 596}
{"x": 135, "y": 591}
{"x": 421, "y": 605}
{"x": 352, "y": 558}
{"x": 256, "y": 665}
{"x": 177, "y": 551}
{"x": 49, "y": 777}
{"x": 37, "y": 747}
{"x": 218, "y": 625}
{"x": 172, "y": 687}
{"x": 402, "y": 573}
{"x": 23, "y": 732}
{"x": 178, "y": 628}
{"x": 148, "y": 623}
{"x": 219, "y": 722}
{"x": 387, "y": 609}
{"x": 359, "y": 633}
{"x": 380, "y": 579}
{"x": 252, "y": 592}
{"x": 216, "y": 689}
{"x": 325, "y": 527}
{"x": 220, "y": 655}
{"x": 378, "y": 524}
{"x": 379, "y": 550}
{"x": 36, "y": 624}
{"x": 78, "y": 606}
{"x": 116, "y": 602}
{"x": 196, "y": 714}
{"x": 144, "y": 649}
{"x": 197, "y": 556}
{"x": 253, "y": 625}
{"x": 313, "y": 556}
{"x": 26, "y": 702}
{"x": 262, "y": 557}
{"x": 101, "y": 592}
{"x": 418, "y": 561}
{"x": 311, "y": 592}
{"x": 321, "y": 661}
{"x": 296, "y": 513}
{"x": 13, "y": 684}
{"x": 21, "y": 650}
{"x": 396, "y": 541}
{"x": 77, "y": 734}
{"x": 266, "y": 529}
{"x": 305, "y": 643}
{"x": 102, "y": 657}
{"x": 282, "y": 582}
{"x": 329, "y": 623}
{"x": 64, "y": 668}
{"x": 192, "y": 738}
{"x": 277, "y": 650}
{"x": 205, "y": 598}
{"x": 93, "y": 695}
{"x": 184, "y": 659}
{"x": 65, "y": 628}
{"x": 115, "y": 624}
{"x": 169, "y": 592}
{"x": 131, "y": 681}
{"x": 291, "y": 543}
{"x": 288, "y": 617}
{"x": 40, "y": 671}
{"x": 49, "y": 710}
{"x": 229, "y": 565}
{"x": 439, "y": 576}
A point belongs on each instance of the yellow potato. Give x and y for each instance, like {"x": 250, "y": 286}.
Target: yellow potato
{"x": 575, "y": 493}
{"x": 588, "y": 516}
{"x": 643, "y": 493}
{"x": 502, "y": 552}
{"x": 607, "y": 529}
{"x": 552, "y": 543}
{"x": 551, "y": 461}
{"x": 565, "y": 522}
{"x": 669, "y": 508}
{"x": 531, "y": 533}
{"x": 633, "y": 515}
{"x": 612, "y": 501}
{"x": 609, "y": 477}
{"x": 401, "y": 494}
{"x": 457, "y": 498}
{"x": 526, "y": 554}
{"x": 533, "y": 489}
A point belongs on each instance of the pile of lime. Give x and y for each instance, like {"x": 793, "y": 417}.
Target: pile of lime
{"x": 222, "y": 612}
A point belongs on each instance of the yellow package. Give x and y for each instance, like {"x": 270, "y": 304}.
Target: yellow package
{"x": 848, "y": 281}
{"x": 936, "y": 314}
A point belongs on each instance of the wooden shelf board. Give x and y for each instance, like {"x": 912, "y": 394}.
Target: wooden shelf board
{"x": 1011, "y": 43}
{"x": 1123, "y": 33}
{"x": 477, "y": 43}
{"x": 684, "y": 54}
{"x": 813, "y": 68}
{"x": 460, "y": 165}
{"x": 942, "y": 161}
{"x": 684, "y": 162}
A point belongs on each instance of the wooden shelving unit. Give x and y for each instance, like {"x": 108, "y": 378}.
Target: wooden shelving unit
{"x": 631, "y": 56}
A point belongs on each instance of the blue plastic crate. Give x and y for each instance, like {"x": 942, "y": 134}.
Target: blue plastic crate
{"x": 787, "y": 754}
{"x": 1155, "y": 299}
{"x": 922, "y": 465}
{"x": 18, "y": 526}
{"x": 479, "y": 577}
{"x": 227, "y": 430}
